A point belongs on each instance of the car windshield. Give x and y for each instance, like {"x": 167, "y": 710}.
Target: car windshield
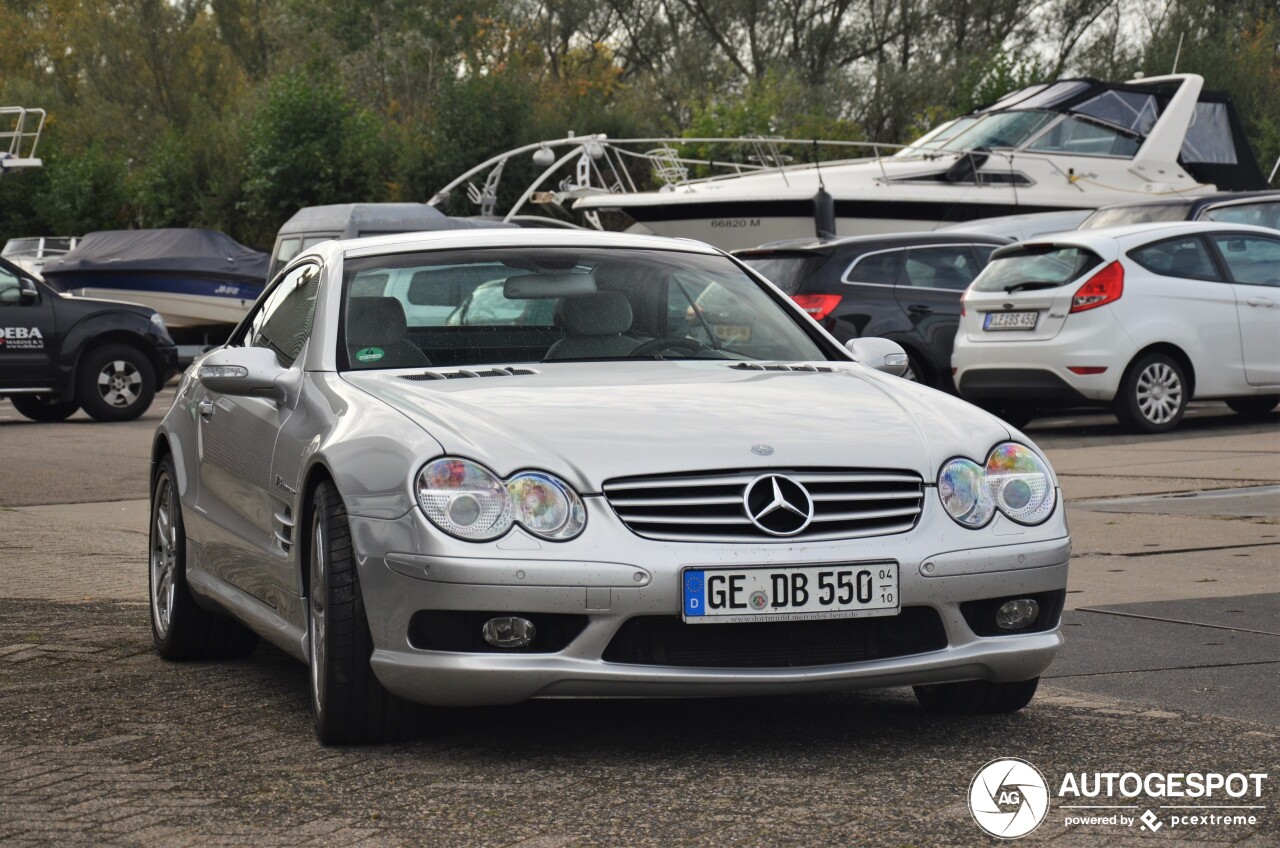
{"x": 508, "y": 306}
{"x": 1035, "y": 267}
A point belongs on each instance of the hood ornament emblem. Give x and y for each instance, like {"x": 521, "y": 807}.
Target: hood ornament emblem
{"x": 762, "y": 450}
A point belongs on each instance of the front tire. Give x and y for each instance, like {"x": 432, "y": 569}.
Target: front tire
{"x": 115, "y": 383}
{"x": 44, "y": 407}
{"x": 1153, "y": 395}
{"x": 180, "y": 628}
{"x": 976, "y": 697}
{"x": 349, "y": 704}
{"x": 1245, "y": 407}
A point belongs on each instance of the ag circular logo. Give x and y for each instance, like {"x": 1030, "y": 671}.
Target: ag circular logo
{"x": 1008, "y": 798}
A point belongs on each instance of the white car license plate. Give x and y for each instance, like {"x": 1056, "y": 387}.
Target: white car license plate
{"x": 1010, "y": 321}
{"x": 790, "y": 593}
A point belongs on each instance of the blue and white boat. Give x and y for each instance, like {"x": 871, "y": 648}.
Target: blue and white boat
{"x": 200, "y": 281}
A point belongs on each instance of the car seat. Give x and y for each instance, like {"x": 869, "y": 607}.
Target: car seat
{"x": 376, "y": 331}
{"x": 594, "y": 324}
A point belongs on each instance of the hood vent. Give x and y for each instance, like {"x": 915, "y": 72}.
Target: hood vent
{"x": 805, "y": 368}
{"x": 464, "y": 373}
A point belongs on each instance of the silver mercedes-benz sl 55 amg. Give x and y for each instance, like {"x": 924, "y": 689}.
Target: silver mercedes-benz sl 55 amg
{"x": 477, "y": 467}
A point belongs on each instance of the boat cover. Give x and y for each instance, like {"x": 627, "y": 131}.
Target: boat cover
{"x": 205, "y": 253}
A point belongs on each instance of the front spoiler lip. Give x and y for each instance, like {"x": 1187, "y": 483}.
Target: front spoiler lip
{"x": 446, "y": 679}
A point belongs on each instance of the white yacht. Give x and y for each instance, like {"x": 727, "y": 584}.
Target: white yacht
{"x": 1065, "y": 145}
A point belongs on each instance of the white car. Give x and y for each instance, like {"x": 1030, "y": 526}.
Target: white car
{"x": 1142, "y": 318}
{"x": 594, "y": 496}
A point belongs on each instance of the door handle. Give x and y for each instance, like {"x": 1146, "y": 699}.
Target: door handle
{"x": 920, "y": 309}
{"x": 1260, "y": 301}
{"x": 206, "y": 409}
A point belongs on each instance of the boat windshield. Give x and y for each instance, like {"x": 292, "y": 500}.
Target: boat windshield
{"x": 935, "y": 138}
{"x": 1001, "y": 130}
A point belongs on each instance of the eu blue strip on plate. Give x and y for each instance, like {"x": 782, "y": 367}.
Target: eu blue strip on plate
{"x": 695, "y": 590}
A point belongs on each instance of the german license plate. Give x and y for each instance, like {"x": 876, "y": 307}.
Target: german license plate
{"x": 1010, "y": 321}
{"x": 790, "y": 593}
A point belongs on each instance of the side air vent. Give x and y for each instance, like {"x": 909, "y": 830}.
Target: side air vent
{"x": 802, "y": 367}
{"x": 466, "y": 373}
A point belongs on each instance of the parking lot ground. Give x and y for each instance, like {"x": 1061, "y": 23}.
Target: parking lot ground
{"x": 1172, "y": 664}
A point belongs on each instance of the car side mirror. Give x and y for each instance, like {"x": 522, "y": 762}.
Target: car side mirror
{"x": 880, "y": 354}
{"x": 28, "y": 292}
{"x": 244, "y": 372}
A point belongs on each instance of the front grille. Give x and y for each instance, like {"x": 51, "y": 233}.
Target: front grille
{"x": 710, "y": 507}
{"x": 668, "y": 641}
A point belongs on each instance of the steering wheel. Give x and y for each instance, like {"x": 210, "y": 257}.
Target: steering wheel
{"x": 680, "y": 343}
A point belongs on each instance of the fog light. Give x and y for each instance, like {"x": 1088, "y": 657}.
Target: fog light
{"x": 513, "y": 632}
{"x": 1017, "y": 615}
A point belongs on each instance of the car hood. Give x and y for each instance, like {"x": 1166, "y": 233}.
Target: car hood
{"x": 592, "y": 422}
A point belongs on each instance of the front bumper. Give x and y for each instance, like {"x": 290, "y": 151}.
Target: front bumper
{"x": 609, "y": 575}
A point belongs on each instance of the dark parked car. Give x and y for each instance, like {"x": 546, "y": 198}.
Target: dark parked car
{"x": 1257, "y": 208}
{"x": 60, "y": 353}
{"x": 903, "y": 287}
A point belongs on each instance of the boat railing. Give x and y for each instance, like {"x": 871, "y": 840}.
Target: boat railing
{"x": 20, "y": 129}
{"x": 601, "y": 165}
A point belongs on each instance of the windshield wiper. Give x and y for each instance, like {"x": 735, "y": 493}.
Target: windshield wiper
{"x": 1030, "y": 286}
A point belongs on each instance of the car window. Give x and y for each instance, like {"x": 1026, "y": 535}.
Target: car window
{"x": 1263, "y": 214}
{"x": 1254, "y": 260}
{"x": 282, "y": 321}
{"x": 1177, "y": 257}
{"x": 1035, "y": 267}
{"x": 1145, "y": 214}
{"x": 880, "y": 268}
{"x": 10, "y": 287}
{"x": 945, "y": 267}
{"x": 534, "y": 298}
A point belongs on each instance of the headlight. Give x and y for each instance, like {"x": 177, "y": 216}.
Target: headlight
{"x": 471, "y": 502}
{"x": 1014, "y": 481}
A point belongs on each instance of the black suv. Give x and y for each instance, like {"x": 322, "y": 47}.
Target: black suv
{"x": 59, "y": 353}
{"x": 904, "y": 287}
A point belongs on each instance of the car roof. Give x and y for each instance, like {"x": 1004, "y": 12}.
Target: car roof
{"x": 816, "y": 245}
{"x": 470, "y": 239}
{"x": 1129, "y": 233}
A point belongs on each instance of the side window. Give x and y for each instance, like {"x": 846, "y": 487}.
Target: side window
{"x": 1253, "y": 260}
{"x": 283, "y": 319}
{"x": 950, "y": 267}
{"x": 10, "y": 288}
{"x": 879, "y": 268}
{"x": 1073, "y": 135}
{"x": 1178, "y": 257}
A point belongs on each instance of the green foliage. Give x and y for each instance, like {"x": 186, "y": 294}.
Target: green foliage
{"x": 83, "y": 193}
{"x": 309, "y": 144}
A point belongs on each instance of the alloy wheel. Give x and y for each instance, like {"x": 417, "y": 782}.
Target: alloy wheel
{"x": 164, "y": 556}
{"x": 119, "y": 383}
{"x": 1159, "y": 393}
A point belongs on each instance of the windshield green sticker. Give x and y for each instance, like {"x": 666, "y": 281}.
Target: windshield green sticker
{"x": 369, "y": 354}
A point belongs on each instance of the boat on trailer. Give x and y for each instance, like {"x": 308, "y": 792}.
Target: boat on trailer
{"x": 1073, "y": 144}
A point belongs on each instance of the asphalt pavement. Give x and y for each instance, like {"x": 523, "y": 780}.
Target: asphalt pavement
{"x": 1172, "y": 664}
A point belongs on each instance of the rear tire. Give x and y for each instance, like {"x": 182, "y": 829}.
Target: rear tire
{"x": 349, "y": 704}
{"x": 44, "y": 407}
{"x": 976, "y": 697}
{"x": 115, "y": 382}
{"x": 1153, "y": 395}
{"x": 1246, "y": 407}
{"x": 180, "y": 628}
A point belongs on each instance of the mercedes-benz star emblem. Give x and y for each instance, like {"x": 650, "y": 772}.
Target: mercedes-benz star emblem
{"x": 778, "y": 505}
{"x": 762, "y": 450}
